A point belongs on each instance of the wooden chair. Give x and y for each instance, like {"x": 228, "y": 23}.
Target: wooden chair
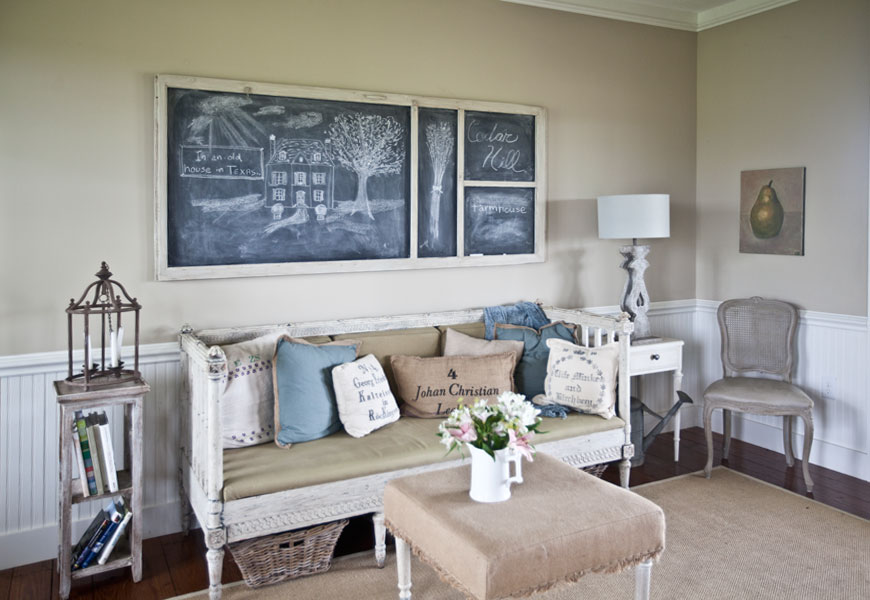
{"x": 758, "y": 338}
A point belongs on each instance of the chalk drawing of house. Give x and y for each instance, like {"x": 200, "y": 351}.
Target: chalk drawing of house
{"x": 300, "y": 173}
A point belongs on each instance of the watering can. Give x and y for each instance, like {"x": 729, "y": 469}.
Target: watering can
{"x": 642, "y": 442}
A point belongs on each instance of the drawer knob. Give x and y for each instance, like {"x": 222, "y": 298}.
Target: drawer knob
{"x": 654, "y": 357}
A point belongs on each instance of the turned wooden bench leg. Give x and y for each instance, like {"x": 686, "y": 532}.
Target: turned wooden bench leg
{"x": 215, "y": 539}
{"x": 641, "y": 580}
{"x": 403, "y": 562}
{"x": 380, "y": 539}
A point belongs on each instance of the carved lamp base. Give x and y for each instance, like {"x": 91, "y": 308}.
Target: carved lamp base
{"x": 635, "y": 299}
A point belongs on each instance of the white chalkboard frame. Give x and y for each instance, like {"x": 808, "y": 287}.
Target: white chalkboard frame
{"x": 164, "y": 272}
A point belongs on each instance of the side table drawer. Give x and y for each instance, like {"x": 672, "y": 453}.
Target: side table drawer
{"x": 655, "y": 358}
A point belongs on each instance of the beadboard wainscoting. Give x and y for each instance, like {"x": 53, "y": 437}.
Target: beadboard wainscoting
{"x": 832, "y": 366}
{"x": 29, "y": 455}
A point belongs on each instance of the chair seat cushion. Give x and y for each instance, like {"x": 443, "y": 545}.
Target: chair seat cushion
{"x": 757, "y": 395}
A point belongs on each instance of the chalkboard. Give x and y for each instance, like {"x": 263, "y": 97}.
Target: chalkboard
{"x": 259, "y": 179}
{"x": 265, "y": 179}
{"x": 499, "y": 220}
{"x": 436, "y": 196}
{"x": 499, "y": 147}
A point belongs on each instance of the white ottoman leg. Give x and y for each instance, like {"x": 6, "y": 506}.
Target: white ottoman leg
{"x": 641, "y": 580}
{"x": 380, "y": 539}
{"x": 403, "y": 561}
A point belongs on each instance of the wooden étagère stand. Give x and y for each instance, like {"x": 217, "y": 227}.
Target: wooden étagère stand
{"x": 128, "y": 552}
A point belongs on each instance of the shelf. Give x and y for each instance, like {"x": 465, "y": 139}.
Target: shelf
{"x": 125, "y": 488}
{"x": 119, "y": 558}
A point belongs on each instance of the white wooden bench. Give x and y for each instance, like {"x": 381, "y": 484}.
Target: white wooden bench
{"x": 223, "y": 521}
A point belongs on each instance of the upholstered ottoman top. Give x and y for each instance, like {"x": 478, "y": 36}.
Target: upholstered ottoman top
{"x": 559, "y": 525}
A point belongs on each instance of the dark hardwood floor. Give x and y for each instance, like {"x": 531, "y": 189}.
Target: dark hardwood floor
{"x": 175, "y": 564}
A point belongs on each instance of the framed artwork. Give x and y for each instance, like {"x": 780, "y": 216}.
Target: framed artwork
{"x": 772, "y": 211}
{"x": 260, "y": 179}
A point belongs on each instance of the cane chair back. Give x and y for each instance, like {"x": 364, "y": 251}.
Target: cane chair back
{"x": 757, "y": 337}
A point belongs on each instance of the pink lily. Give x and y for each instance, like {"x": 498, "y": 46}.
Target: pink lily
{"x": 521, "y": 444}
{"x": 465, "y": 433}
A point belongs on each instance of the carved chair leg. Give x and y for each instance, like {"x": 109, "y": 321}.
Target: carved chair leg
{"x": 624, "y": 472}
{"x": 726, "y": 433}
{"x": 380, "y": 539}
{"x": 787, "y": 422}
{"x": 641, "y": 580}
{"x": 708, "y": 434}
{"x": 215, "y": 558}
{"x": 807, "y": 416}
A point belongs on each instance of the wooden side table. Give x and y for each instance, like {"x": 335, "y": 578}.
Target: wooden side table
{"x": 661, "y": 357}
{"x": 70, "y": 398}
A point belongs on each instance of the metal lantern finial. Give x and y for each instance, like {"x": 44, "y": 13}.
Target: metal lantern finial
{"x": 105, "y": 307}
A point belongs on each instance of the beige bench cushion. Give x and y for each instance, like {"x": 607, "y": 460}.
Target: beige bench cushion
{"x": 558, "y": 525}
{"x": 408, "y": 442}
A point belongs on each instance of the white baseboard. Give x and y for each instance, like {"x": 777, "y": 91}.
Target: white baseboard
{"x": 838, "y": 458}
{"x": 35, "y": 545}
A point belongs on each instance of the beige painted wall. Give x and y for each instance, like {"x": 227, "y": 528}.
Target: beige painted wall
{"x": 76, "y": 145}
{"x": 787, "y": 88}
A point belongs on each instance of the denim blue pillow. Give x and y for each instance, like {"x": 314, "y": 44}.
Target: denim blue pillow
{"x": 305, "y": 407}
{"x": 531, "y": 371}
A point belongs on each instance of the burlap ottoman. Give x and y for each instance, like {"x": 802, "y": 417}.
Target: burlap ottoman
{"x": 558, "y": 526}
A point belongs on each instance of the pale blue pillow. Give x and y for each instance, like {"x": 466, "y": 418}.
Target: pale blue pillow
{"x": 531, "y": 371}
{"x": 305, "y": 407}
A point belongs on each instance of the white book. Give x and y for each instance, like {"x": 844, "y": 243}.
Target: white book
{"x": 96, "y": 454}
{"x": 80, "y": 461}
{"x": 110, "y": 545}
{"x": 110, "y": 473}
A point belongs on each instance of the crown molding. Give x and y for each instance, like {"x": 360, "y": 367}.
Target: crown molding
{"x": 660, "y": 16}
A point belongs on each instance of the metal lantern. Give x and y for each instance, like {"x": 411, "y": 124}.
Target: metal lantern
{"x": 103, "y": 330}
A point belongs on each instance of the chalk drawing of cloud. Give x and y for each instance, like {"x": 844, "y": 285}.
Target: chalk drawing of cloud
{"x": 301, "y": 120}
{"x": 272, "y": 109}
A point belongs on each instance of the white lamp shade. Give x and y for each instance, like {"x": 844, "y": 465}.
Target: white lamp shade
{"x": 634, "y": 216}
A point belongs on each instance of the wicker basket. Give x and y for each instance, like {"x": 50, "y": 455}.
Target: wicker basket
{"x": 273, "y": 558}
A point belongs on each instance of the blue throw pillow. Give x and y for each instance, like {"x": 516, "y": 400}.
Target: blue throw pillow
{"x": 305, "y": 407}
{"x": 531, "y": 371}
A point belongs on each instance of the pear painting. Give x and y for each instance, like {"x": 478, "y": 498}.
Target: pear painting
{"x": 772, "y": 211}
{"x": 766, "y": 215}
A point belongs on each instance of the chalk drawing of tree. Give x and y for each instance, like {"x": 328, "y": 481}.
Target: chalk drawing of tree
{"x": 224, "y": 115}
{"x": 369, "y": 145}
{"x": 439, "y": 140}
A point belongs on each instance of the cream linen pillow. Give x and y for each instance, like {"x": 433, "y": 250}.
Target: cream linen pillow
{"x": 364, "y": 399}
{"x": 581, "y": 378}
{"x": 247, "y": 416}
{"x": 460, "y": 344}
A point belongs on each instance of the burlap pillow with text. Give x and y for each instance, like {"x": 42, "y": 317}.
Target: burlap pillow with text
{"x": 432, "y": 387}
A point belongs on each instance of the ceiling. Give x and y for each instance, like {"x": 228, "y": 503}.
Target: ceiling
{"x": 689, "y": 15}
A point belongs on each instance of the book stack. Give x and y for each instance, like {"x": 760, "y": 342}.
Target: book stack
{"x": 101, "y": 536}
{"x": 94, "y": 454}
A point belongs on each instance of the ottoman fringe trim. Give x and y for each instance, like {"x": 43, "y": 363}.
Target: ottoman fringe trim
{"x": 607, "y": 569}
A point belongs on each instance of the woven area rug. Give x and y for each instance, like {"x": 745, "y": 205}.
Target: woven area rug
{"x": 731, "y": 537}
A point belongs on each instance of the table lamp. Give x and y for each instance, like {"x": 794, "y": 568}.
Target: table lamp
{"x": 635, "y": 216}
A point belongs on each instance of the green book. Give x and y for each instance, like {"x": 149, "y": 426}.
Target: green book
{"x": 82, "y": 428}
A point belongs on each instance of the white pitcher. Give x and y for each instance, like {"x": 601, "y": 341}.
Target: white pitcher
{"x": 490, "y": 479}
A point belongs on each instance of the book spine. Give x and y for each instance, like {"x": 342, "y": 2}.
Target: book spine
{"x": 86, "y": 452}
{"x": 110, "y": 471}
{"x": 94, "y": 443}
{"x": 110, "y": 545}
{"x": 80, "y": 461}
{"x": 98, "y": 545}
{"x": 86, "y": 537}
{"x": 88, "y": 549}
